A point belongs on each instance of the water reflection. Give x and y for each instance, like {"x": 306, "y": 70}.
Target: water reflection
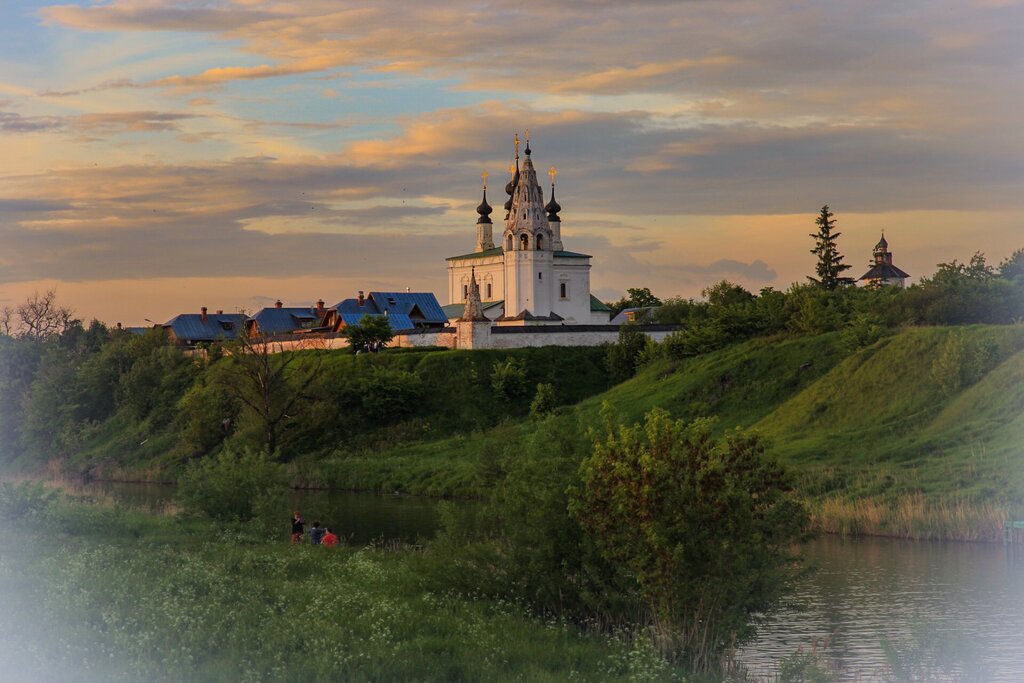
{"x": 357, "y": 518}
{"x": 949, "y": 608}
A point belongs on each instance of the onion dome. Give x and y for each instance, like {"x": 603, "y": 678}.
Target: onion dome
{"x": 882, "y": 244}
{"x": 553, "y": 207}
{"x": 484, "y": 210}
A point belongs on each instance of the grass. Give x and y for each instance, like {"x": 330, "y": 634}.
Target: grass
{"x": 96, "y": 593}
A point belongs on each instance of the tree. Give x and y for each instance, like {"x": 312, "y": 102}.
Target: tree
{"x": 830, "y": 262}
{"x": 621, "y": 358}
{"x": 636, "y": 297}
{"x": 544, "y": 400}
{"x": 270, "y": 382}
{"x": 369, "y": 334}
{"x": 703, "y": 525}
{"x": 38, "y": 318}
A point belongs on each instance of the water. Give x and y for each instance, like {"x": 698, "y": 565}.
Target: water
{"x": 962, "y": 602}
{"x": 357, "y": 518}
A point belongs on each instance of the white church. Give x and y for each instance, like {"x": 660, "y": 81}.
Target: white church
{"x": 528, "y": 277}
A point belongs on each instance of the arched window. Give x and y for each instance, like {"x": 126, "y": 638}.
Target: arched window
{"x": 508, "y": 243}
{"x": 540, "y": 241}
{"x": 524, "y": 241}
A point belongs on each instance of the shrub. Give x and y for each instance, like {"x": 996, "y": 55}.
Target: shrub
{"x": 24, "y": 500}
{"x": 508, "y": 378}
{"x": 622, "y": 356}
{"x": 544, "y": 400}
{"x": 703, "y": 526}
{"x": 233, "y": 486}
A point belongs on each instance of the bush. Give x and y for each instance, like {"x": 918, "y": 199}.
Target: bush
{"x": 623, "y": 356}
{"x": 544, "y": 400}
{"x": 508, "y": 378}
{"x": 704, "y": 527}
{"x": 233, "y": 486}
{"x": 389, "y": 394}
{"x": 25, "y": 500}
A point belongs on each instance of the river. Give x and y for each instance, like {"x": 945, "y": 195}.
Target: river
{"x": 961, "y": 603}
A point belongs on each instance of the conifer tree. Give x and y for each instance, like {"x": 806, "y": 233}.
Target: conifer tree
{"x": 830, "y": 262}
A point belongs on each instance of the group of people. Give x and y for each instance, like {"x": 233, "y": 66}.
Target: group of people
{"x": 318, "y": 535}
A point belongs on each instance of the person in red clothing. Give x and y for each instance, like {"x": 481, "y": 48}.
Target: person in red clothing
{"x": 329, "y": 539}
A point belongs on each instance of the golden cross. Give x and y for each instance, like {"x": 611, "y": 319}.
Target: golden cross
{"x": 484, "y": 176}
{"x": 517, "y": 144}
{"x": 553, "y": 172}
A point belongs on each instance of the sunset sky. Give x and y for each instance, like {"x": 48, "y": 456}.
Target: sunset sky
{"x": 159, "y": 156}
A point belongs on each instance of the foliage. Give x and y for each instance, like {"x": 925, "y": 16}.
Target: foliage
{"x": 371, "y": 333}
{"x": 390, "y": 394}
{"x": 621, "y": 358}
{"x": 863, "y": 330}
{"x": 142, "y": 598}
{"x": 22, "y": 501}
{"x": 961, "y": 361}
{"x": 830, "y": 266}
{"x": 39, "y": 318}
{"x": 544, "y": 400}
{"x": 233, "y": 485}
{"x": 703, "y": 526}
{"x": 271, "y": 384}
{"x": 508, "y": 378}
{"x": 636, "y": 297}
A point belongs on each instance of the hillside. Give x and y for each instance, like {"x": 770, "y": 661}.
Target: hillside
{"x": 884, "y": 424}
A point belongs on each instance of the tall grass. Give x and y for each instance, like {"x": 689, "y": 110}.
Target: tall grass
{"x": 911, "y": 517}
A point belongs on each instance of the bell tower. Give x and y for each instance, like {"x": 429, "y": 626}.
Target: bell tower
{"x": 528, "y": 242}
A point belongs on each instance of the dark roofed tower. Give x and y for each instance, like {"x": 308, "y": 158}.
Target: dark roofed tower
{"x": 883, "y": 272}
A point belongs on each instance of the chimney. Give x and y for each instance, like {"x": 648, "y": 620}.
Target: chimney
{"x": 278, "y": 304}
{"x": 360, "y": 300}
{"x": 320, "y": 307}
{"x": 220, "y": 311}
{"x": 202, "y": 314}
{"x": 119, "y": 326}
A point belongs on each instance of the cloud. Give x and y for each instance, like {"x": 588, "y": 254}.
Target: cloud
{"x": 98, "y": 123}
{"x": 154, "y": 16}
{"x": 11, "y": 122}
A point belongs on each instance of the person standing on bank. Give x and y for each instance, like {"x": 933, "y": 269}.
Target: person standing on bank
{"x": 298, "y": 526}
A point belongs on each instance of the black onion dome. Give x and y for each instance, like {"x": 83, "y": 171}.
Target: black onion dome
{"x": 882, "y": 243}
{"x": 553, "y": 207}
{"x": 484, "y": 210}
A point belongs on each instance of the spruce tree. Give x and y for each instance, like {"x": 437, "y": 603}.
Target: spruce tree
{"x": 830, "y": 262}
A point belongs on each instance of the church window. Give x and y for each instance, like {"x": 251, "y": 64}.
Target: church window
{"x": 564, "y": 290}
{"x": 540, "y": 241}
{"x": 508, "y": 243}
{"x": 465, "y": 292}
{"x": 488, "y": 291}
{"x": 524, "y": 242}
{"x": 540, "y": 276}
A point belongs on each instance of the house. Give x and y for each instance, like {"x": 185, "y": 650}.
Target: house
{"x": 189, "y": 329}
{"x": 528, "y": 277}
{"x": 403, "y": 310}
{"x": 642, "y": 314}
{"x": 883, "y": 272}
{"x": 280, "y": 319}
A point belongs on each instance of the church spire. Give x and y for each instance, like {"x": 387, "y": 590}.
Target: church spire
{"x": 473, "y": 312}
{"x": 526, "y": 223}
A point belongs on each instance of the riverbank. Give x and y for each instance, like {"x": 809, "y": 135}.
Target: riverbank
{"x": 97, "y": 592}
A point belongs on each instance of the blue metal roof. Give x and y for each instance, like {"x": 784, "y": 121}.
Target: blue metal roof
{"x": 273, "y": 320}
{"x": 403, "y": 302}
{"x": 642, "y": 314}
{"x": 397, "y": 321}
{"x": 404, "y": 309}
{"x": 190, "y": 328}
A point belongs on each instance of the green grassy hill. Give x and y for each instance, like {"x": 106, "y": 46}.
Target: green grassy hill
{"x": 927, "y": 419}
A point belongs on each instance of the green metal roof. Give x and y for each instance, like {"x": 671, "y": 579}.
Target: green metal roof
{"x": 598, "y": 305}
{"x": 453, "y": 310}
{"x": 496, "y": 251}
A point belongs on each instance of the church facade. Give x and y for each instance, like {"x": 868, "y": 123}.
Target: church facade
{"x": 526, "y": 277}
{"x": 883, "y": 273}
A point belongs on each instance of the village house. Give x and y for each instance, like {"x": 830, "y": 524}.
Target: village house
{"x": 189, "y": 329}
{"x": 280, "y": 319}
{"x": 403, "y": 311}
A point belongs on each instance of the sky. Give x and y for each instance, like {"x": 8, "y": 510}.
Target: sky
{"x": 157, "y": 156}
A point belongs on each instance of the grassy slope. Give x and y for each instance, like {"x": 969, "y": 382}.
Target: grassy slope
{"x": 872, "y": 425}
{"x": 878, "y": 424}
